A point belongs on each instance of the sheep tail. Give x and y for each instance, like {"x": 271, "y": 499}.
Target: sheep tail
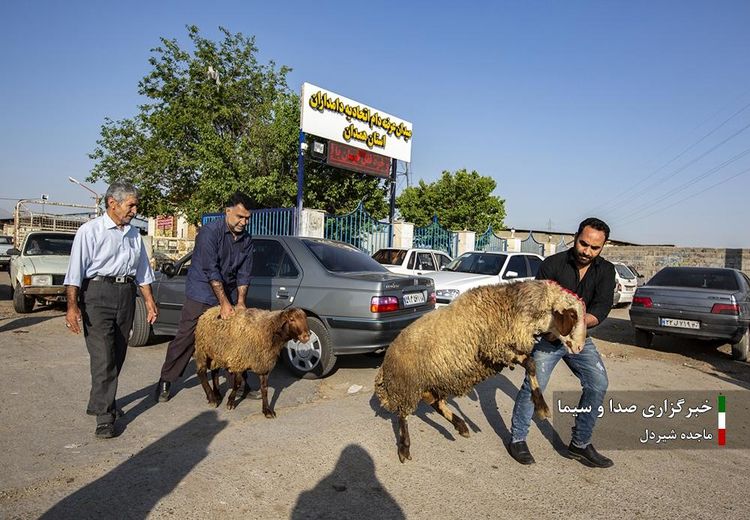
{"x": 382, "y": 392}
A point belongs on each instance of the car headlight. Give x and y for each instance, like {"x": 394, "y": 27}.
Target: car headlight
{"x": 447, "y": 294}
{"x": 41, "y": 279}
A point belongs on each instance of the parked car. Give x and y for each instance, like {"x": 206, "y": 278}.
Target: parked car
{"x": 625, "y": 284}
{"x": 37, "y": 270}
{"x": 6, "y": 243}
{"x": 477, "y": 268}
{"x": 638, "y": 276}
{"x": 354, "y": 305}
{"x": 411, "y": 261}
{"x": 694, "y": 302}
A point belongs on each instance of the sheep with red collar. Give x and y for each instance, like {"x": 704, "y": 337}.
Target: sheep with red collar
{"x": 447, "y": 352}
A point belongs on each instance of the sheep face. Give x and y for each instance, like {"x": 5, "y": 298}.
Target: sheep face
{"x": 569, "y": 326}
{"x": 294, "y": 326}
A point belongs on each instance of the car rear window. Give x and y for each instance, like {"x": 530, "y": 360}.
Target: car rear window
{"x": 341, "y": 258}
{"x": 696, "y": 278}
{"x": 390, "y": 256}
{"x": 624, "y": 272}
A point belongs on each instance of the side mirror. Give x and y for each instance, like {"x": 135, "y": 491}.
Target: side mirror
{"x": 168, "y": 269}
{"x": 510, "y": 274}
{"x": 13, "y": 252}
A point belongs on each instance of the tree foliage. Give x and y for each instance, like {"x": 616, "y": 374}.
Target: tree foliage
{"x": 462, "y": 200}
{"x": 216, "y": 120}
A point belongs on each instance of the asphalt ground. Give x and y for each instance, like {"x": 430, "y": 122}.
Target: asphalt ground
{"x": 331, "y": 452}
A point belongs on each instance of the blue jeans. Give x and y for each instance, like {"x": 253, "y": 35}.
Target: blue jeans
{"x": 586, "y": 365}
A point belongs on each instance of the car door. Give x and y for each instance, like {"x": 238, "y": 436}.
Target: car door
{"x": 424, "y": 263}
{"x": 441, "y": 261}
{"x": 275, "y": 277}
{"x": 170, "y": 293}
{"x": 516, "y": 264}
{"x": 534, "y": 264}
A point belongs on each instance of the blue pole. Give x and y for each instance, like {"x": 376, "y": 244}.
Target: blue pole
{"x": 300, "y": 180}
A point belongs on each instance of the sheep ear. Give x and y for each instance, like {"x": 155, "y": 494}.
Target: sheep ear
{"x": 565, "y": 321}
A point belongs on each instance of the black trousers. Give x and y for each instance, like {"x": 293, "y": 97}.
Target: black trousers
{"x": 107, "y": 310}
{"x": 181, "y": 348}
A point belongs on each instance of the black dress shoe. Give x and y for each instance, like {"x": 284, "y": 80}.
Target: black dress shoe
{"x": 105, "y": 431}
{"x": 162, "y": 391}
{"x": 520, "y": 452}
{"x": 589, "y": 456}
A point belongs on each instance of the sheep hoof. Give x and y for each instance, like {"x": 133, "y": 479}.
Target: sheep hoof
{"x": 270, "y": 414}
{"x": 403, "y": 454}
{"x": 464, "y": 432}
{"x": 231, "y": 406}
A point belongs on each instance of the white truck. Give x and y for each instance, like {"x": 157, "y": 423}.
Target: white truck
{"x": 40, "y": 259}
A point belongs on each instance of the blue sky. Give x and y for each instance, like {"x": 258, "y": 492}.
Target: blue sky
{"x": 575, "y": 108}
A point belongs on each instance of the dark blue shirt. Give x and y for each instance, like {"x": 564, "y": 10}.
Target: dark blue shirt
{"x": 218, "y": 256}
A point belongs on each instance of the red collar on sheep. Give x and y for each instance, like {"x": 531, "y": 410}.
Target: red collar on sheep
{"x": 552, "y": 282}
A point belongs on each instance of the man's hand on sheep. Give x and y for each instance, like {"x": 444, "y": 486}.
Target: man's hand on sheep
{"x": 226, "y": 311}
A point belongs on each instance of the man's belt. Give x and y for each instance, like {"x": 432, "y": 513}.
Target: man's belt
{"x": 113, "y": 279}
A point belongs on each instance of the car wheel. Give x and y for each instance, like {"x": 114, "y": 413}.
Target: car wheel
{"x": 740, "y": 349}
{"x": 141, "y": 330}
{"x": 21, "y": 303}
{"x": 314, "y": 359}
{"x": 643, "y": 338}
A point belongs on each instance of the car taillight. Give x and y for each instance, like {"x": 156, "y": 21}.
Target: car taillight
{"x": 433, "y": 297}
{"x": 642, "y": 301}
{"x": 726, "y": 308}
{"x": 383, "y": 304}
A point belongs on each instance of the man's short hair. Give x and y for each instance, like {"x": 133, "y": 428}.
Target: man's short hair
{"x": 121, "y": 190}
{"x": 595, "y": 223}
{"x": 240, "y": 198}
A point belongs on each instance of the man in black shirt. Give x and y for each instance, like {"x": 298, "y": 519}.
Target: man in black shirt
{"x": 581, "y": 270}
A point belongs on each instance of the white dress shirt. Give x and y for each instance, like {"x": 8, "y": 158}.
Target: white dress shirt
{"x": 100, "y": 248}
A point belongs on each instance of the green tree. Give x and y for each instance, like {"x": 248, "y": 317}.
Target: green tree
{"x": 215, "y": 121}
{"x": 461, "y": 200}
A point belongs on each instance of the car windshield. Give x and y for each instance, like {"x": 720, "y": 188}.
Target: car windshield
{"x": 342, "y": 258}
{"x": 59, "y": 245}
{"x": 477, "y": 263}
{"x": 696, "y": 278}
{"x": 624, "y": 272}
{"x": 390, "y": 256}
{"x": 5, "y": 240}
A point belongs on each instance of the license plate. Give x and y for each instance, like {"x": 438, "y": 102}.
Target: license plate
{"x": 680, "y": 324}
{"x": 413, "y": 298}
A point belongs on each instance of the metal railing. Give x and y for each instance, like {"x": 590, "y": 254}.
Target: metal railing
{"x": 489, "y": 241}
{"x": 435, "y": 236}
{"x": 359, "y": 229}
{"x": 530, "y": 245}
{"x": 271, "y": 221}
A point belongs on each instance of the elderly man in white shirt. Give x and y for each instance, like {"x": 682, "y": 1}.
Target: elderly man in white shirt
{"x": 107, "y": 261}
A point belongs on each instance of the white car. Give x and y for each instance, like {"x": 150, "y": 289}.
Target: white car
{"x": 476, "y": 268}
{"x": 411, "y": 261}
{"x": 37, "y": 269}
{"x": 626, "y": 282}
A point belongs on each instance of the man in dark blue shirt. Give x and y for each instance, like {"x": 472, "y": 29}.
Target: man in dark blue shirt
{"x": 582, "y": 271}
{"x": 219, "y": 272}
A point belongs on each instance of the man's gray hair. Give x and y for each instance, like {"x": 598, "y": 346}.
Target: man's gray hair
{"x": 120, "y": 190}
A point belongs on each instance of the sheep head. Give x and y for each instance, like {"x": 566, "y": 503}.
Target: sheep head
{"x": 568, "y": 323}
{"x": 294, "y": 326}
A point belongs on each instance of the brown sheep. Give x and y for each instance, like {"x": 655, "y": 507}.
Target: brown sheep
{"x": 249, "y": 340}
{"x": 448, "y": 351}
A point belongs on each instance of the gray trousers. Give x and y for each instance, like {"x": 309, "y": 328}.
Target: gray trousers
{"x": 107, "y": 310}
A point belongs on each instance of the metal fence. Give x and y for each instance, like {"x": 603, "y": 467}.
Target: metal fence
{"x": 530, "y": 245}
{"x": 561, "y": 245}
{"x": 435, "y": 236}
{"x": 271, "y": 221}
{"x": 359, "y": 229}
{"x": 489, "y": 241}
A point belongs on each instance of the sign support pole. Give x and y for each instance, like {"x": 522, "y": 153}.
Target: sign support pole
{"x": 394, "y": 164}
{"x": 300, "y": 179}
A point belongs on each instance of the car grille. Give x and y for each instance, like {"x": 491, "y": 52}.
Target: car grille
{"x": 58, "y": 279}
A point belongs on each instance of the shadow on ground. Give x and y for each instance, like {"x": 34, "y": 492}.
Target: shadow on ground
{"x": 133, "y": 488}
{"x": 351, "y": 490}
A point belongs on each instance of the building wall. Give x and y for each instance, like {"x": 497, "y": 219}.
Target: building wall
{"x": 650, "y": 259}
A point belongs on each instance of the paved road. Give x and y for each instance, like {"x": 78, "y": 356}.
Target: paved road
{"x": 331, "y": 453}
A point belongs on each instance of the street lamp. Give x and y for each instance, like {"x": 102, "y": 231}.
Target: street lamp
{"x": 97, "y": 197}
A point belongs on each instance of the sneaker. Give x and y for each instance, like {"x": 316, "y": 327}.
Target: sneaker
{"x": 105, "y": 431}
{"x": 162, "y": 391}
{"x": 520, "y": 452}
{"x": 588, "y": 456}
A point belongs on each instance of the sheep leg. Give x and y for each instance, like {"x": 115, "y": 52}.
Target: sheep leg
{"x": 201, "y": 372}
{"x": 404, "y": 442}
{"x": 217, "y": 392}
{"x": 441, "y": 407}
{"x": 236, "y": 381}
{"x": 267, "y": 410}
{"x": 540, "y": 406}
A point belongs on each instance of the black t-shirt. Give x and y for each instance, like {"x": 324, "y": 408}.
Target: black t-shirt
{"x": 597, "y": 287}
